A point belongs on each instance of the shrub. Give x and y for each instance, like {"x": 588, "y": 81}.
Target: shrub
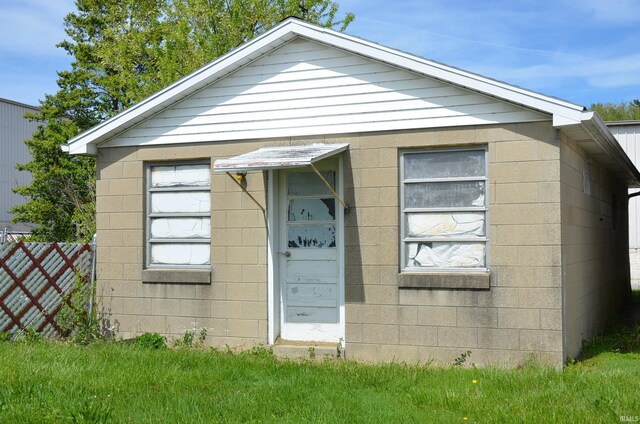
{"x": 77, "y": 316}
{"x": 151, "y": 341}
{"x": 188, "y": 341}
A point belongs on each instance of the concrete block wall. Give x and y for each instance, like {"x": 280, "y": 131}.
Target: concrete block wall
{"x": 594, "y": 245}
{"x": 233, "y": 308}
{"x": 519, "y": 317}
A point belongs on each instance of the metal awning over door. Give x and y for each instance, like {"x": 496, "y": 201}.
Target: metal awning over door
{"x": 281, "y": 157}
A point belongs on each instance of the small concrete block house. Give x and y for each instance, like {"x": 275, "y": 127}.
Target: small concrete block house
{"x": 314, "y": 188}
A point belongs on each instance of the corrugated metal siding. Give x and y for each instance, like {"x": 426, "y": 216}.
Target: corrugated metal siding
{"x": 14, "y": 129}
{"x": 306, "y": 88}
{"x": 629, "y": 138}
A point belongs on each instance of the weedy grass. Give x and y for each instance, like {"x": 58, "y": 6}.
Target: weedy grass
{"x": 116, "y": 382}
{"x": 142, "y": 382}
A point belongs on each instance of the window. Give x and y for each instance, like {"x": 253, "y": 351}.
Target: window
{"x": 178, "y": 227}
{"x": 443, "y": 210}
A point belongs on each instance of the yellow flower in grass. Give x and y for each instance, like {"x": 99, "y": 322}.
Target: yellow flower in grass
{"x": 466, "y": 419}
{"x": 474, "y": 381}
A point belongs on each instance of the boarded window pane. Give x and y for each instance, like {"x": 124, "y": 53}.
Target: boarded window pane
{"x": 312, "y": 210}
{"x": 312, "y": 236}
{"x": 180, "y": 254}
{"x": 181, "y": 228}
{"x": 181, "y": 201}
{"x": 444, "y": 164}
{"x": 461, "y": 224}
{"x": 180, "y": 176}
{"x": 185, "y": 191}
{"x": 445, "y": 255}
{"x": 309, "y": 183}
{"x": 444, "y": 194}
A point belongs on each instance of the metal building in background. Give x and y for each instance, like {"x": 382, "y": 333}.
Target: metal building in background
{"x": 14, "y": 130}
{"x": 628, "y": 135}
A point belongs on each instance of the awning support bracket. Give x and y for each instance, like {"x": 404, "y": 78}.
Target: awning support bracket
{"x": 328, "y": 186}
{"x": 245, "y": 190}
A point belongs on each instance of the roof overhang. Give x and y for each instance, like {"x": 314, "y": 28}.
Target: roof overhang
{"x": 592, "y": 134}
{"x": 279, "y": 157}
{"x": 622, "y": 123}
{"x": 87, "y": 142}
{"x": 583, "y": 126}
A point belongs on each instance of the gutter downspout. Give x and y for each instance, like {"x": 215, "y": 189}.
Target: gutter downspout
{"x": 93, "y": 278}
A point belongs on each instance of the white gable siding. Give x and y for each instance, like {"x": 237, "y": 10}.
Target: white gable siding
{"x": 306, "y": 88}
{"x": 628, "y": 136}
{"x": 14, "y": 129}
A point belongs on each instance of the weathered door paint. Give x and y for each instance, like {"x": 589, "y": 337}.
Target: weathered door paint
{"x": 308, "y": 256}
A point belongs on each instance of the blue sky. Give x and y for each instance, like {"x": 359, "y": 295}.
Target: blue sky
{"x": 583, "y": 51}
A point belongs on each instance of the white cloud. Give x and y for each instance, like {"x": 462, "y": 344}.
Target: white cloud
{"x": 581, "y": 81}
{"x": 586, "y": 49}
{"x": 583, "y": 50}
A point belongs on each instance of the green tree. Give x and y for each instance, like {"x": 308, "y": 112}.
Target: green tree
{"x": 124, "y": 51}
{"x": 199, "y": 31}
{"x": 618, "y": 111}
{"x": 61, "y": 195}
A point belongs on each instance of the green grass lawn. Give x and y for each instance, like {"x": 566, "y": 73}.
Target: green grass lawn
{"x": 117, "y": 382}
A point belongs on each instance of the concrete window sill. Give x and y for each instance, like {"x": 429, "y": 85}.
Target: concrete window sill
{"x": 462, "y": 280}
{"x": 176, "y": 276}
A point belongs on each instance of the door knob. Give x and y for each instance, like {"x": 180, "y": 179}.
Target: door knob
{"x": 286, "y": 254}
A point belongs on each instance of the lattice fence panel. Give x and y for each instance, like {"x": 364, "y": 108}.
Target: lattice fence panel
{"x": 35, "y": 281}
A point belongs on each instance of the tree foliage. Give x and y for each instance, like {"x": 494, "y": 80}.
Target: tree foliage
{"x": 618, "y": 111}
{"x": 124, "y": 51}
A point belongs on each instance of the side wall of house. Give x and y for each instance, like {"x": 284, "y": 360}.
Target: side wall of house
{"x": 518, "y": 317}
{"x": 595, "y": 243}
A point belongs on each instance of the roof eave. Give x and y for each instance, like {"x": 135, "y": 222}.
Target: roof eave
{"x": 592, "y": 134}
{"x": 565, "y": 111}
{"x": 622, "y": 123}
{"x": 177, "y": 91}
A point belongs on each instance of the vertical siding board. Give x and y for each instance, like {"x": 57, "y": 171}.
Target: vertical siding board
{"x": 628, "y": 135}
{"x": 631, "y": 140}
{"x": 14, "y": 129}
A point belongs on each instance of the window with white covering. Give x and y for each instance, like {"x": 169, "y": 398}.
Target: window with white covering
{"x": 178, "y": 225}
{"x": 443, "y": 210}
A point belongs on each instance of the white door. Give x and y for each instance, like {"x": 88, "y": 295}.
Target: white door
{"x": 309, "y": 253}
